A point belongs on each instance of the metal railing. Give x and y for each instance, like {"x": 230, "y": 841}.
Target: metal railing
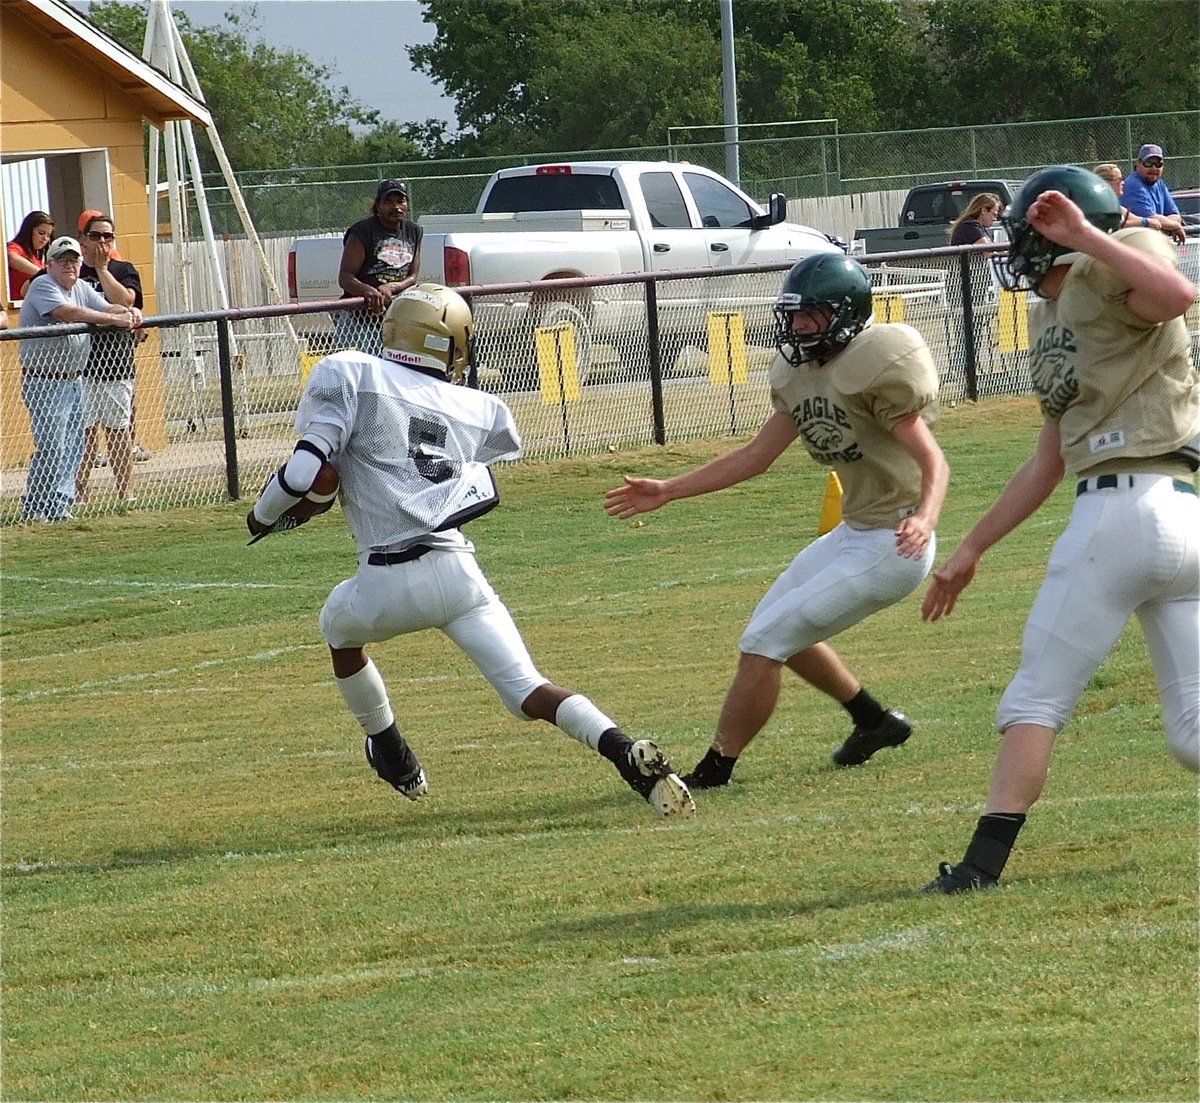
{"x": 588, "y": 366}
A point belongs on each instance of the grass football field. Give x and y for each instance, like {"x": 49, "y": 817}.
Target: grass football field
{"x": 207, "y": 894}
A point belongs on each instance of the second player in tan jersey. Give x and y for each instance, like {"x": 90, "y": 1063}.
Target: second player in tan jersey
{"x": 862, "y": 398}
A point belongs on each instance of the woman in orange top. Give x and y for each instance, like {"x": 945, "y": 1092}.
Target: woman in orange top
{"x": 27, "y": 251}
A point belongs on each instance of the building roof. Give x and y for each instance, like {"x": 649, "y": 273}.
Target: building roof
{"x": 65, "y": 27}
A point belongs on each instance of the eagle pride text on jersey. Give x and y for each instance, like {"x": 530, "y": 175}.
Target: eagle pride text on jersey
{"x": 845, "y": 410}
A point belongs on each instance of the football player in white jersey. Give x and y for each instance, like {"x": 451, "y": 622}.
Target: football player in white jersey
{"x": 412, "y": 450}
{"x": 1113, "y": 373}
{"x": 862, "y": 398}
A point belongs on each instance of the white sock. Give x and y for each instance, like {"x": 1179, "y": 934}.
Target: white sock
{"x": 581, "y": 720}
{"x": 366, "y": 696}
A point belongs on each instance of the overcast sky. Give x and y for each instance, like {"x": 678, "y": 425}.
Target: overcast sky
{"x": 362, "y": 41}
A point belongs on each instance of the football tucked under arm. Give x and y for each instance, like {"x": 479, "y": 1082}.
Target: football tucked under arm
{"x": 304, "y": 487}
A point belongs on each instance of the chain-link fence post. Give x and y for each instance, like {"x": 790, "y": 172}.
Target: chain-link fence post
{"x": 225, "y": 364}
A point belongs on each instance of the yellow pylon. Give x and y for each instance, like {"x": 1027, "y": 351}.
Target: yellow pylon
{"x": 831, "y": 507}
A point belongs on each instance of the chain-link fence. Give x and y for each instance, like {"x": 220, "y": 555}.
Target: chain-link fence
{"x": 772, "y": 158}
{"x": 588, "y": 366}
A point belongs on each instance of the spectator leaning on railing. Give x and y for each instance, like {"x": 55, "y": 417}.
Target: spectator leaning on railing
{"x": 1147, "y": 195}
{"x": 109, "y": 375}
{"x": 381, "y": 256}
{"x": 50, "y": 376}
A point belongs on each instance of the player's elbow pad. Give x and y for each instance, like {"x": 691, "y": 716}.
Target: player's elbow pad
{"x": 290, "y": 483}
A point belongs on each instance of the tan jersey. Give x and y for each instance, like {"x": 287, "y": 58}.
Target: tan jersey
{"x": 846, "y": 409}
{"x": 1122, "y": 389}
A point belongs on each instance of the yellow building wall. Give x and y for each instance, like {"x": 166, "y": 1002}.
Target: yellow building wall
{"x": 51, "y": 102}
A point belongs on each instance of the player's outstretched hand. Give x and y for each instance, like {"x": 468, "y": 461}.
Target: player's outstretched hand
{"x": 949, "y": 580}
{"x": 259, "y": 531}
{"x": 636, "y": 496}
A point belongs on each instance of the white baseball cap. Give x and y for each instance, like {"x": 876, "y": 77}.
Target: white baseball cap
{"x": 60, "y": 246}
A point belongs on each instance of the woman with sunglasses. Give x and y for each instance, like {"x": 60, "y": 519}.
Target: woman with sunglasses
{"x": 108, "y": 377}
{"x": 975, "y": 223}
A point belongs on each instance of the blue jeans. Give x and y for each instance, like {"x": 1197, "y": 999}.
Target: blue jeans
{"x": 56, "y": 420}
{"x": 358, "y": 329}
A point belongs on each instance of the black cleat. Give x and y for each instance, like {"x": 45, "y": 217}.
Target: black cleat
{"x": 864, "y": 742}
{"x": 713, "y": 771}
{"x": 960, "y": 878}
{"x": 648, "y": 773}
{"x": 397, "y": 765}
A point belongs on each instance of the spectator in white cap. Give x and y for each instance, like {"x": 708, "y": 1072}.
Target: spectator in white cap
{"x": 1147, "y": 195}
{"x": 50, "y": 376}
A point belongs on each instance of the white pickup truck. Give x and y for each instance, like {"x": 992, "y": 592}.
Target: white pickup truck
{"x": 590, "y": 218}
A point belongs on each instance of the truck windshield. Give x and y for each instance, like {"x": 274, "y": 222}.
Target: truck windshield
{"x": 566, "y": 192}
{"x": 940, "y": 205}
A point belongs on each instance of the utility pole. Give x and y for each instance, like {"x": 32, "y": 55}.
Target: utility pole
{"x": 733, "y": 169}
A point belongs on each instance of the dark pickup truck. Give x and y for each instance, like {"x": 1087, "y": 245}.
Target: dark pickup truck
{"x": 928, "y": 211}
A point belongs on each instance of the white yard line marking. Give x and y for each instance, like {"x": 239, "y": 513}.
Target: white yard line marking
{"x": 117, "y": 583}
{"x": 896, "y": 940}
{"x": 145, "y": 675}
{"x": 200, "y": 987}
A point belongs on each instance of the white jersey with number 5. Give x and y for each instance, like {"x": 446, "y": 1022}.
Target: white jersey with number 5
{"x": 411, "y": 447}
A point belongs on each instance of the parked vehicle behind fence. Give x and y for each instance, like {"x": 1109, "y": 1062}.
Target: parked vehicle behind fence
{"x": 592, "y": 218}
{"x": 925, "y": 218}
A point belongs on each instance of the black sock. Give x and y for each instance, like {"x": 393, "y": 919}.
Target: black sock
{"x": 714, "y": 768}
{"x": 994, "y": 837}
{"x": 614, "y": 745}
{"x": 864, "y": 710}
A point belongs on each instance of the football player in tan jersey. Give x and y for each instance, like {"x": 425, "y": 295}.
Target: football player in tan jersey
{"x": 1113, "y": 374}
{"x": 862, "y": 398}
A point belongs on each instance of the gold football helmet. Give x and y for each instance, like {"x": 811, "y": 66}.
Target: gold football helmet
{"x": 429, "y": 325}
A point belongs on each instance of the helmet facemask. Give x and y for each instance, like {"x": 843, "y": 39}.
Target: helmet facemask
{"x": 839, "y": 331}
{"x": 1030, "y": 256}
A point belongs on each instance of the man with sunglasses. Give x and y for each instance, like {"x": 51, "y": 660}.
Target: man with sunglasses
{"x": 1147, "y": 195}
{"x": 109, "y": 375}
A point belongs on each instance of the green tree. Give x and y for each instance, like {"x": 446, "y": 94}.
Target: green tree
{"x": 861, "y": 63}
{"x": 1013, "y": 61}
{"x": 274, "y": 109}
{"x": 544, "y": 75}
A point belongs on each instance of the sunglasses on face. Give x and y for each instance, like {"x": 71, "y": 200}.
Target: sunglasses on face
{"x": 1153, "y": 163}
{"x": 101, "y": 235}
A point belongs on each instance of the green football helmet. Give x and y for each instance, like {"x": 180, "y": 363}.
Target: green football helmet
{"x": 1030, "y": 255}
{"x": 827, "y": 279}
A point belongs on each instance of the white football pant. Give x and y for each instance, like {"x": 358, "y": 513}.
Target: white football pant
{"x": 835, "y": 582}
{"x": 442, "y": 589}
